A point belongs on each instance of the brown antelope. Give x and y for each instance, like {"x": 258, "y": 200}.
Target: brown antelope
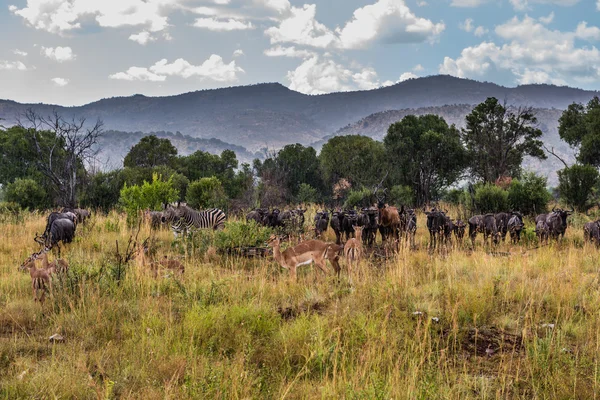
{"x": 40, "y": 278}
{"x": 353, "y": 250}
{"x": 58, "y": 266}
{"x": 305, "y": 253}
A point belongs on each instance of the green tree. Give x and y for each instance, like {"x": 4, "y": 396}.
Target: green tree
{"x": 359, "y": 159}
{"x": 103, "y": 190}
{"x": 150, "y": 195}
{"x": 27, "y": 193}
{"x": 17, "y": 155}
{"x": 579, "y": 126}
{"x": 425, "y": 154}
{"x": 489, "y": 198}
{"x": 206, "y": 193}
{"x": 497, "y": 138}
{"x": 529, "y": 194}
{"x": 307, "y": 194}
{"x": 150, "y": 152}
{"x": 576, "y": 185}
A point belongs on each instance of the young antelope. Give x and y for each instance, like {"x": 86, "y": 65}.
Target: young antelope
{"x": 40, "y": 279}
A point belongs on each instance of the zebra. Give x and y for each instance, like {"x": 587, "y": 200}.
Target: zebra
{"x": 183, "y": 218}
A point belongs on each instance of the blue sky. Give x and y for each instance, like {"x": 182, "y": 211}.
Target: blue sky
{"x": 71, "y": 52}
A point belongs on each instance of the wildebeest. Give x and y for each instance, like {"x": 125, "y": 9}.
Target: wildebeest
{"x": 60, "y": 230}
{"x": 502, "y": 224}
{"x": 257, "y": 215}
{"x": 368, "y": 220}
{"x": 337, "y": 217}
{"x": 459, "y": 230}
{"x": 154, "y": 218}
{"x": 349, "y": 222}
{"x": 436, "y": 222}
{"x": 557, "y": 222}
{"x": 292, "y": 221}
{"x": 485, "y": 224}
{"x": 271, "y": 219}
{"x": 515, "y": 227}
{"x": 541, "y": 230}
{"x": 591, "y": 232}
{"x": 321, "y": 222}
{"x": 81, "y": 214}
{"x": 411, "y": 225}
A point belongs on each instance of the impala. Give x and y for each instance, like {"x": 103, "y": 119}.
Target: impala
{"x": 40, "y": 279}
{"x": 305, "y": 253}
{"x": 353, "y": 250}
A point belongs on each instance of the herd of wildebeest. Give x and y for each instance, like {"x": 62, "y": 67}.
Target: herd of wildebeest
{"x": 353, "y": 230}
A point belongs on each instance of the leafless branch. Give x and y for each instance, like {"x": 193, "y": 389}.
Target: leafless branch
{"x": 551, "y": 151}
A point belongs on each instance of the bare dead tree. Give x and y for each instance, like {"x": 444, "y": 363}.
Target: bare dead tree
{"x": 60, "y": 158}
{"x": 551, "y": 151}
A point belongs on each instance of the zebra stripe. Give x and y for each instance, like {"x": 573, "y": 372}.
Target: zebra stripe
{"x": 185, "y": 219}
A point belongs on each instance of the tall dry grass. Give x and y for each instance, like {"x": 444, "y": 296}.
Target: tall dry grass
{"x": 515, "y": 322}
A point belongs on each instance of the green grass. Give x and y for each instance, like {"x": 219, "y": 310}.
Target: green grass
{"x": 240, "y": 328}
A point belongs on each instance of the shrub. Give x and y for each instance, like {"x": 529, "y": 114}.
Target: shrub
{"x": 402, "y": 195}
{"x": 454, "y": 196}
{"x": 358, "y": 198}
{"x": 307, "y": 194}
{"x": 529, "y": 194}
{"x": 241, "y": 234}
{"x": 490, "y": 198}
{"x": 148, "y": 195}
{"x": 206, "y": 193}
{"x": 27, "y": 193}
{"x": 576, "y": 185}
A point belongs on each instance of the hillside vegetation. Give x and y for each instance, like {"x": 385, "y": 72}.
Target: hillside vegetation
{"x": 516, "y": 322}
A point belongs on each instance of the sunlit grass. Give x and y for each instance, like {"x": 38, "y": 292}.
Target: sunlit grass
{"x": 511, "y": 322}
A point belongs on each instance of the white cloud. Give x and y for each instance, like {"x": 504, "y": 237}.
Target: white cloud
{"x": 218, "y": 25}
{"x": 480, "y": 31}
{"x": 12, "y": 65}
{"x": 406, "y": 76}
{"x": 60, "y": 81}
{"x": 418, "y": 68}
{"x": 20, "y": 52}
{"x": 421, "y": 3}
{"x": 466, "y": 26}
{"x": 277, "y": 5}
{"x": 59, "y": 54}
{"x": 138, "y": 74}
{"x": 598, "y": 5}
{"x": 213, "y": 68}
{"x": 142, "y": 38}
{"x": 522, "y": 5}
{"x": 280, "y": 51}
{"x": 467, "y": 3}
{"x": 532, "y": 53}
{"x": 389, "y": 21}
{"x": 238, "y": 53}
{"x": 548, "y": 19}
{"x": 316, "y": 76}
{"x": 58, "y": 16}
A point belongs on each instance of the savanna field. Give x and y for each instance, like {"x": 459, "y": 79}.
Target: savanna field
{"x": 514, "y": 321}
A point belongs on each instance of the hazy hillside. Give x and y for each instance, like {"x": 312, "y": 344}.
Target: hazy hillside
{"x": 271, "y": 115}
{"x": 376, "y": 125}
{"x": 114, "y": 146}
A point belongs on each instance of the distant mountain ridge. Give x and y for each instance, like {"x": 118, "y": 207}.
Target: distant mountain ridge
{"x": 271, "y": 115}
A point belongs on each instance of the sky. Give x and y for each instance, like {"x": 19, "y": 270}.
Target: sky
{"x": 72, "y": 52}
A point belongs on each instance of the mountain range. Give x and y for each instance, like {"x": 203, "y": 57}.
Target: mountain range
{"x": 269, "y": 115}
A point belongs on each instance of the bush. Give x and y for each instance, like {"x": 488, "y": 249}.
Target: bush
{"x": 577, "y": 186}
{"x": 148, "y": 195}
{"x": 454, "y": 196}
{"x": 241, "y": 234}
{"x": 104, "y": 190}
{"x": 27, "y": 193}
{"x": 529, "y": 194}
{"x": 206, "y": 193}
{"x": 358, "y": 198}
{"x": 489, "y": 198}
{"x": 307, "y": 194}
{"x": 402, "y": 195}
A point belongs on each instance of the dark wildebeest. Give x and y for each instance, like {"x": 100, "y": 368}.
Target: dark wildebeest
{"x": 515, "y": 227}
{"x": 389, "y": 221}
{"x": 542, "y": 231}
{"x": 591, "y": 232}
{"x": 60, "y": 230}
{"x": 557, "y": 222}
{"x": 337, "y": 217}
{"x": 502, "y": 224}
{"x": 257, "y": 215}
{"x": 459, "y": 230}
{"x": 80, "y": 214}
{"x": 448, "y": 228}
{"x": 321, "y": 222}
{"x": 368, "y": 220}
{"x": 349, "y": 222}
{"x": 485, "y": 224}
{"x": 271, "y": 219}
{"x": 154, "y": 218}
{"x": 436, "y": 222}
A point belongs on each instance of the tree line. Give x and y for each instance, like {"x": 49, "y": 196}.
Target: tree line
{"x": 46, "y": 162}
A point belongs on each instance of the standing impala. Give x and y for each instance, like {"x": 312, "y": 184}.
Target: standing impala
{"x": 40, "y": 279}
{"x": 353, "y": 250}
{"x": 305, "y": 253}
